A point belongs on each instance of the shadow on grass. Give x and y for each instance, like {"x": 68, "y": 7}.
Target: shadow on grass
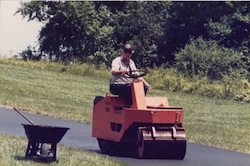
{"x": 37, "y": 159}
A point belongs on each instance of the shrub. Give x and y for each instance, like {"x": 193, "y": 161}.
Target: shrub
{"x": 207, "y": 58}
{"x": 30, "y": 54}
{"x": 227, "y": 88}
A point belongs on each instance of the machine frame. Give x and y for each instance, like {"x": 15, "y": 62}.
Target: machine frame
{"x": 150, "y": 127}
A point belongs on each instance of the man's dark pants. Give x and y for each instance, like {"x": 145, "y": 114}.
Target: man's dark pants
{"x": 124, "y": 91}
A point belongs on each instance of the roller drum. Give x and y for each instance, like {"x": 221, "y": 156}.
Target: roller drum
{"x": 160, "y": 144}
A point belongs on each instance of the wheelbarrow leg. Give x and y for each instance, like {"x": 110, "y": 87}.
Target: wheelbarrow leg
{"x": 27, "y": 154}
{"x": 53, "y": 147}
{"x": 31, "y": 149}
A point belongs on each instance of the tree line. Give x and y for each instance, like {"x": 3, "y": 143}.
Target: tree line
{"x": 197, "y": 38}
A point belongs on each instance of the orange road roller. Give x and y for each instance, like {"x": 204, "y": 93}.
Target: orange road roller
{"x": 149, "y": 128}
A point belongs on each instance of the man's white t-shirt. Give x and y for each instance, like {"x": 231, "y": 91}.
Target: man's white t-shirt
{"x": 119, "y": 64}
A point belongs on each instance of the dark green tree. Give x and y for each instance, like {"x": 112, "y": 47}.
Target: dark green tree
{"x": 92, "y": 31}
{"x": 141, "y": 23}
{"x": 72, "y": 30}
{"x": 232, "y": 29}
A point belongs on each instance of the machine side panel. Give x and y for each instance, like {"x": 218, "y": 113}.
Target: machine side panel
{"x": 153, "y": 116}
{"x": 107, "y": 119}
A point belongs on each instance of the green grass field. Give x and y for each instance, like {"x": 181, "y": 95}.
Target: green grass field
{"x": 215, "y": 122}
{"x": 13, "y": 149}
{"x": 50, "y": 93}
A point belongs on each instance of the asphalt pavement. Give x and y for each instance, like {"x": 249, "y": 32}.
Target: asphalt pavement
{"x": 79, "y": 136}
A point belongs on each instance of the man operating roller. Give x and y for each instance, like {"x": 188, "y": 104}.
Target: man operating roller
{"x": 120, "y": 83}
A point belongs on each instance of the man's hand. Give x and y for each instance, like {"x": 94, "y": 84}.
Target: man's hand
{"x": 124, "y": 71}
{"x": 148, "y": 85}
{"x": 145, "y": 83}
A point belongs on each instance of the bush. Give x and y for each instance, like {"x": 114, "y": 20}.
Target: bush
{"x": 207, "y": 58}
{"x": 30, "y": 54}
{"x": 226, "y": 88}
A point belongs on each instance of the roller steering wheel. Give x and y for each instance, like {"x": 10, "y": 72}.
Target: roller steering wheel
{"x": 136, "y": 73}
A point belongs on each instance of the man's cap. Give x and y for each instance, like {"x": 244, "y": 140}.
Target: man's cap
{"x": 128, "y": 48}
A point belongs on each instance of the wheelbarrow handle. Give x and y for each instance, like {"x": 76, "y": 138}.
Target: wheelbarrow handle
{"x": 30, "y": 121}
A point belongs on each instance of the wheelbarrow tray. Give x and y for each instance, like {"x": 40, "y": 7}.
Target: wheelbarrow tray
{"x": 44, "y": 134}
{"x": 42, "y": 140}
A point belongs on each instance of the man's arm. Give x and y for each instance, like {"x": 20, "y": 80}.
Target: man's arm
{"x": 116, "y": 68}
{"x": 146, "y": 83}
{"x": 119, "y": 72}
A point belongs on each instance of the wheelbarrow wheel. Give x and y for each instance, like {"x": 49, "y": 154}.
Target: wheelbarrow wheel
{"x": 45, "y": 150}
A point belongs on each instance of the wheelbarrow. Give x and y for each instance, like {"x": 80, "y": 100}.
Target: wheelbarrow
{"x": 42, "y": 140}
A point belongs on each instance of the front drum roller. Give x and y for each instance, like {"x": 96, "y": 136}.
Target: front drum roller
{"x": 147, "y": 147}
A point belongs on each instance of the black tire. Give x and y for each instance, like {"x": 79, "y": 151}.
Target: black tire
{"x": 140, "y": 151}
{"x": 45, "y": 150}
{"x": 106, "y": 146}
{"x": 97, "y": 99}
{"x": 142, "y": 147}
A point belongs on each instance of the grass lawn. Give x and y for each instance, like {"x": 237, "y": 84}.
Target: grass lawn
{"x": 220, "y": 123}
{"x": 214, "y": 122}
{"x": 13, "y": 149}
{"x": 50, "y": 93}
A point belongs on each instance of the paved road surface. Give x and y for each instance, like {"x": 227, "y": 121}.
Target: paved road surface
{"x": 79, "y": 136}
